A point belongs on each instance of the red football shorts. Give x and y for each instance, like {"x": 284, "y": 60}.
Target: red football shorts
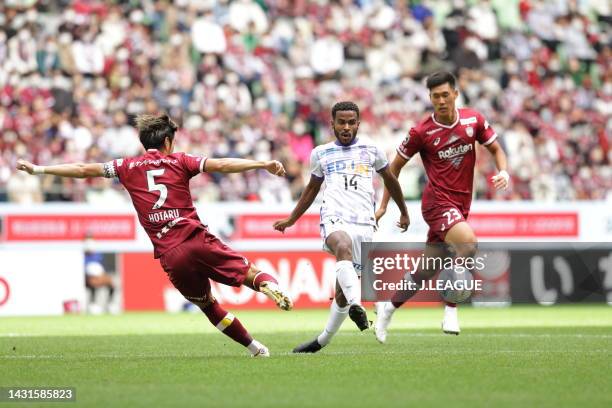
{"x": 441, "y": 218}
{"x": 203, "y": 256}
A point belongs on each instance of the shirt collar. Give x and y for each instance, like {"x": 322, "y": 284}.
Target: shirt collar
{"x": 350, "y": 144}
{"x": 447, "y": 126}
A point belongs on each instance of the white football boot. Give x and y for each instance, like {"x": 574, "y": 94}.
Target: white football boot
{"x": 262, "y": 351}
{"x": 383, "y": 319}
{"x": 450, "y": 323}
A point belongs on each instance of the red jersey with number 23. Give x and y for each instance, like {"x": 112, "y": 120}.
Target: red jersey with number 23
{"x": 159, "y": 188}
{"x": 449, "y": 155}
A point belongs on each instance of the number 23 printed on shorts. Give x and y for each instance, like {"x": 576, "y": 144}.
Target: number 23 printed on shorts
{"x": 452, "y": 216}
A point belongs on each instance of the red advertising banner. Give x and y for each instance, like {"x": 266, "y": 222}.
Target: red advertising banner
{"x": 63, "y": 227}
{"x": 309, "y": 277}
{"x": 498, "y": 224}
{"x": 525, "y": 225}
{"x": 259, "y": 226}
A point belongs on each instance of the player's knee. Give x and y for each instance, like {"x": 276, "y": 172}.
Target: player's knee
{"x": 344, "y": 250}
{"x": 203, "y": 304}
{"x": 467, "y": 250}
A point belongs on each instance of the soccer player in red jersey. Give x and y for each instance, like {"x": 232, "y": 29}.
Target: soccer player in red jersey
{"x": 446, "y": 142}
{"x": 158, "y": 184}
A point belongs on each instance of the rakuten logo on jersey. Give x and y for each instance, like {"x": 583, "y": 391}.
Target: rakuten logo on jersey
{"x": 454, "y": 151}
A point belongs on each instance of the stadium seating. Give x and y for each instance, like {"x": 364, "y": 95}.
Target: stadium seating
{"x": 254, "y": 78}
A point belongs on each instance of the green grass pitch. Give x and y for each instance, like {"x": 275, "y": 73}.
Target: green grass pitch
{"x": 525, "y": 356}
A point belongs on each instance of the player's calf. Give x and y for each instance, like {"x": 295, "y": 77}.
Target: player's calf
{"x": 229, "y": 325}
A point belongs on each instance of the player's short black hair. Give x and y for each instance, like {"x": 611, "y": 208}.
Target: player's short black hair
{"x": 153, "y": 130}
{"x": 345, "y": 106}
{"x": 440, "y": 78}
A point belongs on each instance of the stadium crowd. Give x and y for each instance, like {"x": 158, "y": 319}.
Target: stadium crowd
{"x": 257, "y": 78}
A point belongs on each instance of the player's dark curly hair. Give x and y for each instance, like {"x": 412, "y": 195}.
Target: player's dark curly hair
{"x": 153, "y": 130}
{"x": 440, "y": 78}
{"x": 345, "y": 106}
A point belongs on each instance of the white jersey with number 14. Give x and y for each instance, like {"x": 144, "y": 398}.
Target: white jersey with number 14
{"x": 348, "y": 172}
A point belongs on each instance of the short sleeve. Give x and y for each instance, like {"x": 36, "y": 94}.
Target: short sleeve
{"x": 112, "y": 168}
{"x": 485, "y": 135}
{"x": 411, "y": 145}
{"x": 315, "y": 165}
{"x": 193, "y": 164}
{"x": 380, "y": 162}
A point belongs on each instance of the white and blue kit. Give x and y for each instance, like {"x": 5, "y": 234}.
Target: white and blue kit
{"x": 349, "y": 197}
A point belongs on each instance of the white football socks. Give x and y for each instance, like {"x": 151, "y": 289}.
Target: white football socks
{"x": 389, "y": 308}
{"x": 349, "y": 282}
{"x": 337, "y": 315}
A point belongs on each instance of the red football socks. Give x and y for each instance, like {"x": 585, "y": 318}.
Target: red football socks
{"x": 227, "y": 323}
{"x": 263, "y": 277}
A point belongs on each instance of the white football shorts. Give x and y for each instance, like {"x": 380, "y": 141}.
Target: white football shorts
{"x": 358, "y": 232}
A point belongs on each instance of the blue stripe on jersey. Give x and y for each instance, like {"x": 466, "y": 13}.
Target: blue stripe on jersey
{"x": 343, "y": 149}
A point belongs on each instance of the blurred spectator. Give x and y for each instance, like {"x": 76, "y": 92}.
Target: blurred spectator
{"x": 326, "y": 55}
{"x": 207, "y": 35}
{"x": 22, "y": 190}
{"x": 254, "y": 78}
{"x": 96, "y": 278}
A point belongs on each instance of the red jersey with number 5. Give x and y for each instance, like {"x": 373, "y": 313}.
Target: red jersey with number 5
{"x": 449, "y": 155}
{"x": 159, "y": 188}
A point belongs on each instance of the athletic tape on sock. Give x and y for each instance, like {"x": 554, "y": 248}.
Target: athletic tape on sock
{"x": 225, "y": 322}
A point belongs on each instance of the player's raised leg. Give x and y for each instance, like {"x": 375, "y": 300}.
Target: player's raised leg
{"x": 190, "y": 267}
{"x": 224, "y": 265}
{"x": 195, "y": 287}
{"x": 385, "y": 310}
{"x": 463, "y": 240}
{"x": 341, "y": 245}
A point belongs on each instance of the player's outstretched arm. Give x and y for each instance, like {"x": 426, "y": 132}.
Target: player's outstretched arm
{"x": 394, "y": 168}
{"x": 228, "y": 165}
{"x": 73, "y": 170}
{"x": 502, "y": 179}
{"x": 306, "y": 199}
{"x": 395, "y": 190}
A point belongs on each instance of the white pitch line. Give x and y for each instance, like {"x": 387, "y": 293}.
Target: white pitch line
{"x": 299, "y": 355}
{"x": 519, "y": 335}
{"x": 341, "y": 333}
